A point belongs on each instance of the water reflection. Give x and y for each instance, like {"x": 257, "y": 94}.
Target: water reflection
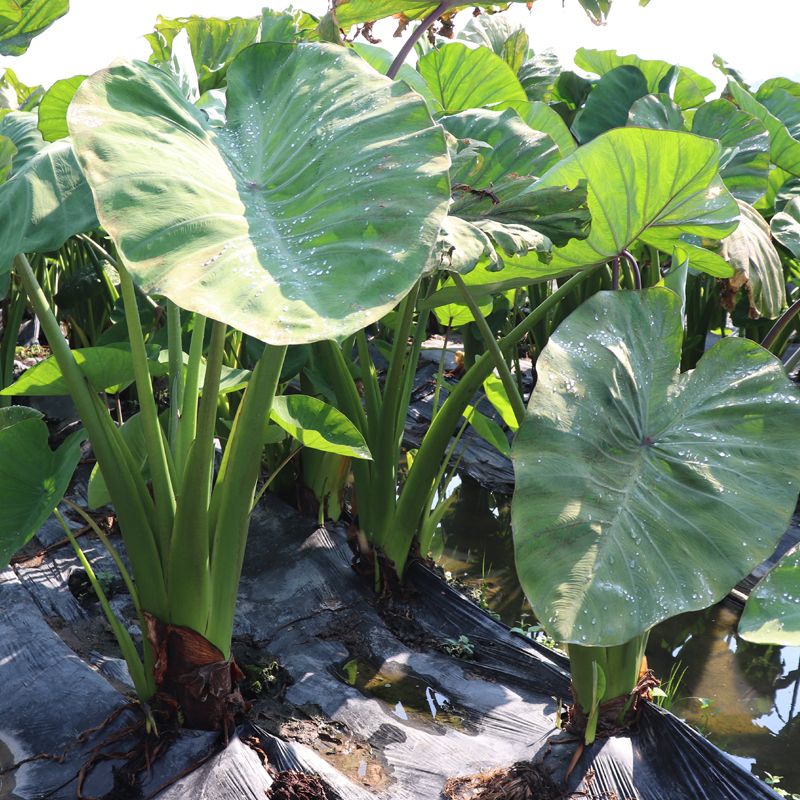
{"x": 743, "y": 696}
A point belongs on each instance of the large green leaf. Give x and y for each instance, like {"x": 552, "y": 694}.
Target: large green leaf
{"x": 460, "y": 247}
{"x": 380, "y": 60}
{"x": 457, "y": 314}
{"x": 772, "y": 613}
{"x": 556, "y": 211}
{"x": 501, "y": 35}
{"x": 281, "y": 26}
{"x": 538, "y": 76}
{"x": 33, "y": 478}
{"x": 729, "y": 71}
{"x": 317, "y": 204}
{"x": 214, "y": 43}
{"x": 780, "y": 183}
{"x": 656, "y": 111}
{"x": 105, "y": 368}
{"x": 784, "y": 151}
{"x": 53, "y": 108}
{"x": 642, "y": 493}
{"x": 784, "y": 105}
{"x": 462, "y": 78}
{"x": 750, "y": 252}
{"x": 7, "y": 153}
{"x": 648, "y": 185}
{"x": 793, "y": 87}
{"x": 690, "y": 89}
{"x": 132, "y": 431}
{"x": 785, "y": 226}
{"x": 10, "y": 13}
{"x": 608, "y": 105}
{"x": 22, "y": 20}
{"x": 515, "y": 147}
{"x": 22, "y": 128}
{"x": 541, "y": 117}
{"x": 488, "y": 429}
{"x": 318, "y": 425}
{"x": 44, "y": 203}
{"x": 744, "y": 160}
{"x": 354, "y": 12}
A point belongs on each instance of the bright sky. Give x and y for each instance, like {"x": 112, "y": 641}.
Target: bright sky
{"x": 760, "y": 43}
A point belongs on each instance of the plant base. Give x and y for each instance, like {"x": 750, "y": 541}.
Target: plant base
{"x": 613, "y": 718}
{"x": 192, "y": 674}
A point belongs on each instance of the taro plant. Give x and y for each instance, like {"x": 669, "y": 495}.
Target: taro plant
{"x": 643, "y": 492}
{"x": 323, "y": 174}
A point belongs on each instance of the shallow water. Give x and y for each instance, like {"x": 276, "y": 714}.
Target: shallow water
{"x": 407, "y": 696}
{"x": 743, "y": 697}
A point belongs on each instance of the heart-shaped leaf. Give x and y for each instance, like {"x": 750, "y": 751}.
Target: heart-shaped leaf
{"x": 33, "y": 478}
{"x": 772, "y": 613}
{"x": 317, "y": 204}
{"x": 318, "y": 425}
{"x": 462, "y": 78}
{"x": 648, "y": 185}
{"x": 642, "y": 493}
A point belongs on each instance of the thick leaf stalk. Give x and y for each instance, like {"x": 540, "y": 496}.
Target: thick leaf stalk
{"x": 132, "y": 512}
{"x": 604, "y": 674}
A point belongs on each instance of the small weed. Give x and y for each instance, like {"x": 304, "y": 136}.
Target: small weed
{"x": 666, "y": 695}
{"x": 459, "y": 648}
{"x": 701, "y": 723}
{"x": 260, "y": 680}
{"x": 538, "y": 634}
{"x": 475, "y": 593}
{"x": 773, "y": 781}
{"x": 83, "y": 591}
{"x": 34, "y": 351}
